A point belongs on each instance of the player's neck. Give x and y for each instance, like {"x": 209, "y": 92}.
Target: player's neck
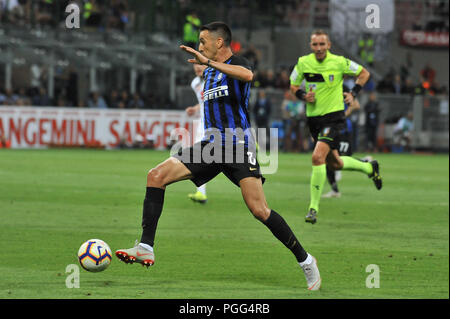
{"x": 224, "y": 55}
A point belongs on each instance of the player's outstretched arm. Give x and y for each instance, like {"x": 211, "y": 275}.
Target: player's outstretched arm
{"x": 235, "y": 71}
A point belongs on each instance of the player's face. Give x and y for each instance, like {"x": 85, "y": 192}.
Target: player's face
{"x": 198, "y": 69}
{"x": 207, "y": 44}
{"x": 319, "y": 45}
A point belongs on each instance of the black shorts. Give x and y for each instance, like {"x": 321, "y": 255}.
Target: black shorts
{"x": 236, "y": 163}
{"x": 345, "y": 145}
{"x": 329, "y": 128}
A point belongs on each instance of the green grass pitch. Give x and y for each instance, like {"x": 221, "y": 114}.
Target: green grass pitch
{"x": 51, "y": 201}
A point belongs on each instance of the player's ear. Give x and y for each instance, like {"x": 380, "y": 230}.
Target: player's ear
{"x": 219, "y": 42}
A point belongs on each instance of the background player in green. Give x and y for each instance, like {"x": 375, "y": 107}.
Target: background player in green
{"x": 323, "y": 74}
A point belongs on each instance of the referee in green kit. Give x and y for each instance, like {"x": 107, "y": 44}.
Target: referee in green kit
{"x": 323, "y": 74}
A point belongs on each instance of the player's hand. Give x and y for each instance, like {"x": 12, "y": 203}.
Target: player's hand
{"x": 191, "y": 110}
{"x": 310, "y": 96}
{"x": 348, "y": 98}
{"x": 198, "y": 58}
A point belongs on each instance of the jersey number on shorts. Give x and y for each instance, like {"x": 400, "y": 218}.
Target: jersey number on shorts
{"x": 251, "y": 159}
{"x": 343, "y": 147}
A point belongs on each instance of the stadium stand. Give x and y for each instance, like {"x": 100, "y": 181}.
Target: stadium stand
{"x": 126, "y": 52}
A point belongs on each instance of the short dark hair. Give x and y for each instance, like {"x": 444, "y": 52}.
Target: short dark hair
{"x": 320, "y": 32}
{"x": 221, "y": 28}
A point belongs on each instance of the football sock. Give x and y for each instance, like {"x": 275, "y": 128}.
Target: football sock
{"x": 153, "y": 204}
{"x": 318, "y": 177}
{"x": 331, "y": 176}
{"x": 353, "y": 164}
{"x": 202, "y": 189}
{"x": 307, "y": 261}
{"x": 281, "y": 230}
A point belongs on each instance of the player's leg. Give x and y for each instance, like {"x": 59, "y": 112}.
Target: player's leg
{"x": 200, "y": 195}
{"x": 318, "y": 177}
{"x": 348, "y": 163}
{"x": 332, "y": 180}
{"x": 253, "y": 194}
{"x": 169, "y": 171}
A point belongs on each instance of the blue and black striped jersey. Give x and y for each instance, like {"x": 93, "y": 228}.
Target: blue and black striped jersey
{"x": 226, "y": 102}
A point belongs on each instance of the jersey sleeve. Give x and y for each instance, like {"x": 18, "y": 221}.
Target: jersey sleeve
{"x": 296, "y": 76}
{"x": 350, "y": 67}
{"x": 239, "y": 60}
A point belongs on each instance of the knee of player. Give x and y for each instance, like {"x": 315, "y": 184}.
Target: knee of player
{"x": 154, "y": 177}
{"x": 317, "y": 159}
{"x": 260, "y": 212}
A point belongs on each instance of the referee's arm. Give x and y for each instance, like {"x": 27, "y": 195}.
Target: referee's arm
{"x": 361, "y": 80}
{"x": 363, "y": 77}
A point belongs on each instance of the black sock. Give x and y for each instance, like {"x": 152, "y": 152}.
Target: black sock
{"x": 153, "y": 204}
{"x": 331, "y": 176}
{"x": 281, "y": 230}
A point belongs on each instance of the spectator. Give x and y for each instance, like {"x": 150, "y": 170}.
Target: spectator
{"x": 282, "y": 81}
{"x": 397, "y": 85}
{"x": 406, "y": 67}
{"x": 113, "y": 99}
{"x": 92, "y": 13}
{"x": 10, "y": 97}
{"x": 261, "y": 111}
{"x": 23, "y": 99}
{"x": 403, "y": 131}
{"x": 294, "y": 120}
{"x": 123, "y": 99}
{"x": 136, "y": 102}
{"x": 2, "y": 98}
{"x": 44, "y": 12}
{"x": 253, "y": 55}
{"x": 191, "y": 30}
{"x": 372, "y": 111}
{"x": 97, "y": 101}
{"x": 14, "y": 11}
{"x": 268, "y": 81}
{"x": 120, "y": 17}
{"x": 408, "y": 87}
{"x": 427, "y": 74}
{"x": 36, "y": 78}
{"x": 41, "y": 99}
{"x": 71, "y": 85}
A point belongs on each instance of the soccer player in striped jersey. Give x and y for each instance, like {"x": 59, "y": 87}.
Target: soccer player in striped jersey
{"x": 227, "y": 147}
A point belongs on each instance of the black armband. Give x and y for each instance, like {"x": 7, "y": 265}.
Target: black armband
{"x": 300, "y": 94}
{"x": 356, "y": 90}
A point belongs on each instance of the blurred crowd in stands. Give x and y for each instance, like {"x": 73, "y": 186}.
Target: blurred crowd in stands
{"x": 111, "y": 14}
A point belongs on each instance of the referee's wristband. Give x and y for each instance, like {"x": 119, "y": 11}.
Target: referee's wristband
{"x": 300, "y": 94}
{"x": 356, "y": 90}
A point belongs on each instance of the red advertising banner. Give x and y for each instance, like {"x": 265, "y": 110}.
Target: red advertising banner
{"x": 39, "y": 127}
{"x": 424, "y": 39}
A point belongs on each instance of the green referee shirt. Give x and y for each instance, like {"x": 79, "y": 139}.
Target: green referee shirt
{"x": 326, "y": 80}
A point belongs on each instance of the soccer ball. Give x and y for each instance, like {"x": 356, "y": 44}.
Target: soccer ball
{"x": 94, "y": 255}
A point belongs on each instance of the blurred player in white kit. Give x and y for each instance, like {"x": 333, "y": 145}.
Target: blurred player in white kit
{"x": 198, "y": 131}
